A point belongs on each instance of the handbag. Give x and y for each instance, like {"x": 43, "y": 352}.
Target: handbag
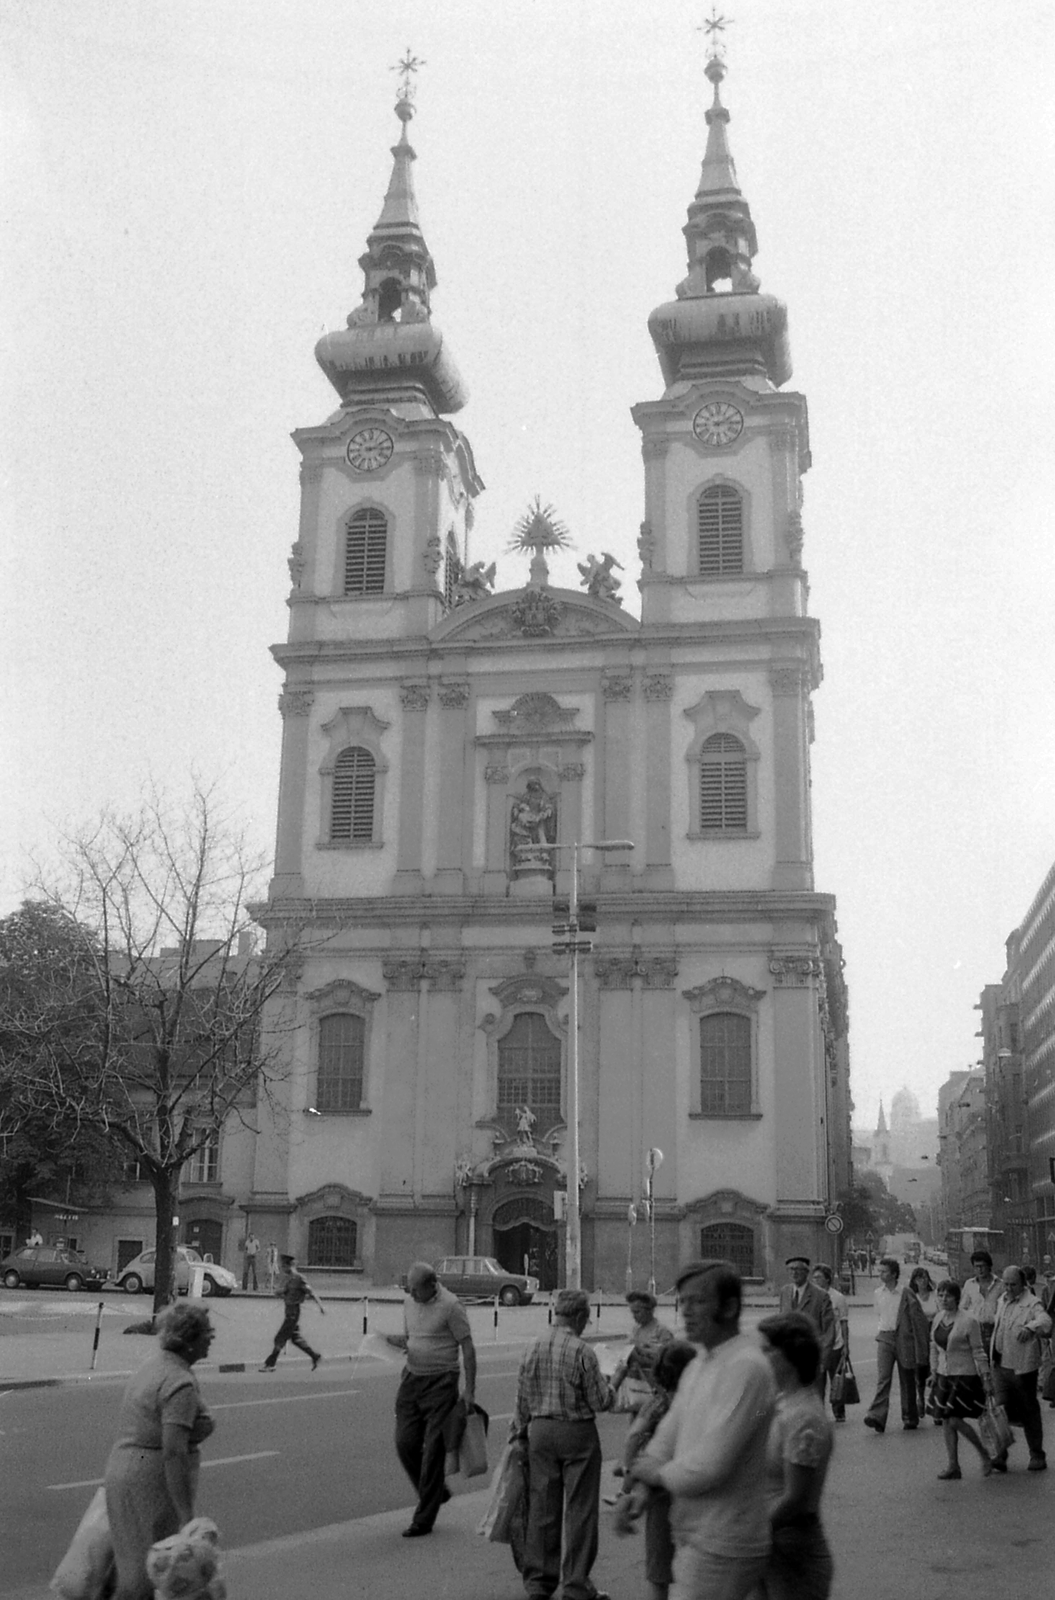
{"x": 472, "y": 1448}
{"x": 85, "y": 1571}
{"x": 844, "y": 1390}
{"x": 995, "y": 1429}
{"x": 632, "y": 1394}
{"x": 1047, "y": 1390}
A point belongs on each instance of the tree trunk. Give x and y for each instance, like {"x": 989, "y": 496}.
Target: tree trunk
{"x": 166, "y": 1198}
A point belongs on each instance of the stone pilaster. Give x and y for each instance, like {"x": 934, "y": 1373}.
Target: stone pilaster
{"x": 655, "y": 594}
{"x": 455, "y": 751}
{"x": 793, "y": 861}
{"x": 415, "y": 700}
{"x": 295, "y": 704}
{"x": 798, "y": 1082}
{"x": 496, "y": 780}
{"x": 618, "y": 764}
{"x": 659, "y": 691}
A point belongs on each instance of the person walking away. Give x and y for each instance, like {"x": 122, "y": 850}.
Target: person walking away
{"x": 902, "y": 1341}
{"x": 798, "y": 1451}
{"x": 152, "y": 1473}
{"x": 1021, "y": 1325}
{"x": 560, "y": 1389}
{"x": 803, "y": 1296}
{"x": 435, "y": 1332}
{"x": 252, "y": 1250}
{"x": 961, "y": 1380}
{"x": 637, "y": 1499}
{"x": 982, "y": 1293}
{"x": 922, "y": 1286}
{"x": 709, "y": 1452}
{"x": 822, "y": 1279}
{"x": 293, "y": 1289}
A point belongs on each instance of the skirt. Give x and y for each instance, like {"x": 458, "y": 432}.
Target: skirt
{"x": 958, "y": 1397}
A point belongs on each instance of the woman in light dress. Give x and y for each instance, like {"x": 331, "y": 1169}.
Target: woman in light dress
{"x": 800, "y": 1563}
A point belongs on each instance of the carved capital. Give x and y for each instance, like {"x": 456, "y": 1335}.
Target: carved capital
{"x": 784, "y": 439}
{"x": 619, "y": 972}
{"x": 793, "y": 535}
{"x": 573, "y": 772}
{"x": 793, "y": 969}
{"x": 407, "y": 972}
{"x": 496, "y": 774}
{"x": 296, "y": 702}
{"x": 659, "y": 686}
{"x": 788, "y": 682}
{"x": 616, "y": 686}
{"x": 432, "y": 554}
{"x": 454, "y": 695}
{"x": 415, "y": 696}
{"x": 655, "y": 447}
{"x": 429, "y": 464}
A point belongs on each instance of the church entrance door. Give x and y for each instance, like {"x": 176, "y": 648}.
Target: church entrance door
{"x": 527, "y": 1228}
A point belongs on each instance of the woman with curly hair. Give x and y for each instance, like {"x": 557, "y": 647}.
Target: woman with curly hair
{"x": 962, "y": 1379}
{"x": 152, "y": 1473}
{"x": 800, "y": 1564}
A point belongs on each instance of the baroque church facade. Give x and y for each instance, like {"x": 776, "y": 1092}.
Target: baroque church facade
{"x": 444, "y": 745}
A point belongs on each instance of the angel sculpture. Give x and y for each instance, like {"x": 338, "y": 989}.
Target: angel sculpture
{"x": 598, "y": 578}
{"x": 474, "y": 582}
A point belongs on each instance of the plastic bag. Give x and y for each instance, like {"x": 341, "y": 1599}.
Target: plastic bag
{"x": 632, "y": 1394}
{"x": 508, "y": 1503}
{"x": 995, "y": 1429}
{"x": 85, "y": 1571}
{"x": 472, "y": 1449}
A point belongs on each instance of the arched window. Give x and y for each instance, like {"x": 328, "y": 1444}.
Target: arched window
{"x": 723, "y": 785}
{"x": 365, "y": 551}
{"x": 339, "y": 1085}
{"x": 725, "y": 1064}
{"x": 719, "y": 269}
{"x": 389, "y": 300}
{"x": 332, "y": 1242}
{"x": 352, "y": 807}
{"x": 529, "y": 1068}
{"x": 730, "y": 1241}
{"x": 720, "y": 532}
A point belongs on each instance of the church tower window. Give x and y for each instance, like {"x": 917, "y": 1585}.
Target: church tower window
{"x": 723, "y": 785}
{"x": 720, "y": 531}
{"x": 365, "y": 552}
{"x": 529, "y": 1068}
{"x": 339, "y": 1085}
{"x": 352, "y": 807}
{"x": 725, "y": 1064}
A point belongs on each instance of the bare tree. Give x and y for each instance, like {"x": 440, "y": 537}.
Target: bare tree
{"x": 149, "y": 1029}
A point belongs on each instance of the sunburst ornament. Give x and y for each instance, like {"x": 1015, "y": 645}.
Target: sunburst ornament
{"x": 539, "y": 529}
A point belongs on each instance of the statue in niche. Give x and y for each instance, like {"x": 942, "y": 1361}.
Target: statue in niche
{"x": 533, "y": 826}
{"x": 525, "y": 1122}
{"x": 598, "y": 579}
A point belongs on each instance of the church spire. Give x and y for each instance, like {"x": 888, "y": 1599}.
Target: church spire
{"x": 391, "y": 347}
{"x": 881, "y": 1126}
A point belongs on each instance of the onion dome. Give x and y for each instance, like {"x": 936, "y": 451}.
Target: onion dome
{"x": 720, "y": 325}
{"x": 390, "y": 346}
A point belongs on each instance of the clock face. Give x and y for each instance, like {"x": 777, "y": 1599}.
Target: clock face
{"x": 369, "y": 449}
{"x": 718, "y": 423}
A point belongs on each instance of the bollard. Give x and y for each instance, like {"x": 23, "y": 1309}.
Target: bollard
{"x": 549, "y": 1314}
{"x": 95, "y": 1341}
{"x": 598, "y": 1311}
{"x": 366, "y": 1315}
{"x": 496, "y": 1319}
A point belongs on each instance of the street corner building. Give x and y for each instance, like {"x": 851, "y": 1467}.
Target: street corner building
{"x": 444, "y": 746}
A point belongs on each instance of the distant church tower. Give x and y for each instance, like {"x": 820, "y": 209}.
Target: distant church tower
{"x": 444, "y": 747}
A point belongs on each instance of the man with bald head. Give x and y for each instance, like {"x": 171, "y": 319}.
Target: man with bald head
{"x": 435, "y": 1330}
{"x": 1021, "y": 1325}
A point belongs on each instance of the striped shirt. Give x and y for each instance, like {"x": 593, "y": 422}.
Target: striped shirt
{"x": 559, "y": 1377}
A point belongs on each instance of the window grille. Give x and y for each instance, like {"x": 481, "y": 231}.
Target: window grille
{"x": 352, "y": 810}
{"x": 725, "y": 1064}
{"x": 721, "y": 532}
{"x": 332, "y": 1242}
{"x": 341, "y": 1051}
{"x": 723, "y": 784}
{"x": 365, "y": 550}
{"x": 730, "y": 1241}
{"x": 529, "y": 1067}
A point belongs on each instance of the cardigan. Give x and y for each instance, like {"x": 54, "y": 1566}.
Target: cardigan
{"x": 965, "y": 1354}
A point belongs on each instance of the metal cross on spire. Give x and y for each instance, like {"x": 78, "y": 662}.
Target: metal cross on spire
{"x": 406, "y": 69}
{"x": 713, "y": 27}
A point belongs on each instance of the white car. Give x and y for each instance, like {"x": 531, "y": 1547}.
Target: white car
{"x": 138, "y": 1275}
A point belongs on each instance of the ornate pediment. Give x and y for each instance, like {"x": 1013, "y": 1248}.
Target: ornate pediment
{"x": 342, "y": 994}
{"x": 529, "y": 989}
{"x": 722, "y": 993}
{"x": 530, "y": 614}
{"x": 534, "y": 713}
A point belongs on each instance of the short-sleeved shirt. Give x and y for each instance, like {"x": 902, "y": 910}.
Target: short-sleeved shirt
{"x": 164, "y": 1390}
{"x": 435, "y": 1330}
{"x": 293, "y": 1289}
{"x": 800, "y": 1435}
{"x": 838, "y": 1300}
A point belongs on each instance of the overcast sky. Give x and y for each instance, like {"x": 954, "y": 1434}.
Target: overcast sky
{"x": 186, "y": 190}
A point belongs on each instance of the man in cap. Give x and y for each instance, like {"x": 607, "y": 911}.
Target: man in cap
{"x": 559, "y": 1391}
{"x": 709, "y": 1451}
{"x": 435, "y": 1330}
{"x": 813, "y": 1302}
{"x": 1021, "y": 1325}
{"x": 293, "y": 1289}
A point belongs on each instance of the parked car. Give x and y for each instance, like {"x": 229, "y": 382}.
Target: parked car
{"x": 37, "y": 1265}
{"x": 138, "y": 1275}
{"x": 481, "y": 1278}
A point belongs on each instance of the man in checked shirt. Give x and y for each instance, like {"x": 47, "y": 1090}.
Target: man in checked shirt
{"x": 559, "y": 1391}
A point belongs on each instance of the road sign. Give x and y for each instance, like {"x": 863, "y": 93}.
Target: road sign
{"x": 870, "y": 1238}
{"x": 834, "y": 1223}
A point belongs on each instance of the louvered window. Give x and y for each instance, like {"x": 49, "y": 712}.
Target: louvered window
{"x": 721, "y": 532}
{"x": 725, "y": 1064}
{"x": 529, "y": 1068}
{"x": 723, "y": 785}
{"x": 340, "y": 1078}
{"x": 364, "y": 553}
{"x": 354, "y": 779}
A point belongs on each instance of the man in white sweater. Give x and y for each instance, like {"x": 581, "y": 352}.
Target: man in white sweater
{"x": 709, "y": 1451}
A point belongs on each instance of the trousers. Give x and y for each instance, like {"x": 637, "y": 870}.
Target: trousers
{"x": 424, "y": 1401}
{"x": 886, "y": 1361}
{"x": 564, "y": 1477}
{"x": 703, "y": 1575}
{"x": 1017, "y": 1393}
{"x": 289, "y": 1333}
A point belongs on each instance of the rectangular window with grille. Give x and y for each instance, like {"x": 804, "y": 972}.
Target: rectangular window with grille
{"x": 720, "y": 529}
{"x": 725, "y": 1065}
{"x": 340, "y": 1078}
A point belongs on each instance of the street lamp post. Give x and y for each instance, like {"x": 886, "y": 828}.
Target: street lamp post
{"x": 572, "y": 946}
{"x": 654, "y": 1160}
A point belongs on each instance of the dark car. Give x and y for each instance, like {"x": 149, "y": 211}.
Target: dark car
{"x": 36, "y": 1265}
{"x": 481, "y": 1278}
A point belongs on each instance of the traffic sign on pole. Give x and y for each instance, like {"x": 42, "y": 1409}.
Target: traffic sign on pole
{"x": 834, "y": 1223}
